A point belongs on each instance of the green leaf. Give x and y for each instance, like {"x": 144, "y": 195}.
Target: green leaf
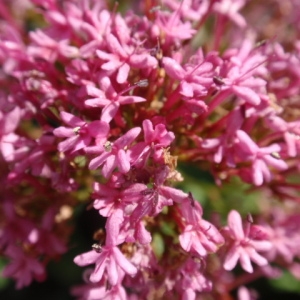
{"x": 286, "y": 282}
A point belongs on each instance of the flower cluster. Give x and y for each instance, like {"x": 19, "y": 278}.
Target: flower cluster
{"x": 98, "y": 105}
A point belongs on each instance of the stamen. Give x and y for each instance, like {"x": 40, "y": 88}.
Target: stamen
{"x": 275, "y": 155}
{"x": 155, "y": 8}
{"x": 76, "y": 130}
{"x": 107, "y": 146}
{"x": 97, "y": 248}
{"x": 140, "y": 83}
{"x": 218, "y": 80}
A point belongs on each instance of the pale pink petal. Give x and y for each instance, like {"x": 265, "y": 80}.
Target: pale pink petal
{"x": 246, "y": 94}
{"x": 86, "y": 258}
{"x": 123, "y": 262}
{"x": 71, "y": 119}
{"x": 97, "y": 102}
{"x": 256, "y": 257}
{"x": 143, "y": 236}
{"x": 68, "y": 144}
{"x": 231, "y": 259}
{"x": 98, "y": 161}
{"x": 235, "y": 224}
{"x": 112, "y": 271}
{"x": 109, "y": 166}
{"x": 123, "y": 161}
{"x": 127, "y": 138}
{"x": 245, "y": 260}
{"x": 173, "y": 69}
{"x": 186, "y": 89}
{"x": 64, "y": 132}
{"x": 96, "y": 276}
{"x": 109, "y": 111}
{"x": 123, "y": 73}
{"x": 185, "y": 240}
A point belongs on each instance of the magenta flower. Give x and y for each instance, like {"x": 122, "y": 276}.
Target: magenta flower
{"x": 230, "y": 9}
{"x": 290, "y": 132}
{"x": 221, "y": 147}
{"x": 110, "y": 257}
{"x": 36, "y": 158}
{"x": 198, "y": 235}
{"x": 9, "y": 121}
{"x": 48, "y": 48}
{"x": 80, "y": 133}
{"x": 241, "y": 74}
{"x": 260, "y": 158}
{"x": 172, "y": 26}
{"x": 114, "y": 154}
{"x": 44, "y": 238}
{"x": 156, "y": 138}
{"x": 189, "y": 9}
{"x": 242, "y": 246}
{"x": 108, "y": 198}
{"x": 109, "y": 99}
{"x": 122, "y": 57}
{"x": 104, "y": 105}
{"x": 194, "y": 80}
{"x": 23, "y": 268}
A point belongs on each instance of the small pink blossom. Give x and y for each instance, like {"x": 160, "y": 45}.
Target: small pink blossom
{"x": 23, "y": 268}
{"x": 79, "y": 134}
{"x": 156, "y": 139}
{"x": 109, "y": 99}
{"x": 242, "y": 246}
{"x": 198, "y": 235}
{"x": 260, "y": 158}
{"x": 113, "y": 154}
{"x": 48, "y": 48}
{"x": 121, "y": 57}
{"x": 111, "y": 259}
{"x": 230, "y": 9}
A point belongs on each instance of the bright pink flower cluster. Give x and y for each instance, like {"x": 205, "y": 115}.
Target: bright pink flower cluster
{"x": 98, "y": 105}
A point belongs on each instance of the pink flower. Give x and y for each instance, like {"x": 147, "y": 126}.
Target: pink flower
{"x": 156, "y": 138}
{"x": 23, "y": 268}
{"x": 44, "y": 237}
{"x": 189, "y": 9}
{"x": 48, "y": 48}
{"x": 290, "y": 131}
{"x": 194, "y": 80}
{"x": 241, "y": 71}
{"x": 37, "y": 157}
{"x": 122, "y": 57}
{"x": 230, "y": 8}
{"x": 198, "y": 235}
{"x": 80, "y": 133}
{"x": 221, "y": 147}
{"x": 246, "y": 294}
{"x": 114, "y": 154}
{"x": 260, "y": 158}
{"x": 242, "y": 245}
{"x": 109, "y": 99}
{"x": 172, "y": 27}
{"x": 108, "y": 198}
{"x": 110, "y": 258}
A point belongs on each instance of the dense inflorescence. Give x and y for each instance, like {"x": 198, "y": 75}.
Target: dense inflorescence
{"x": 99, "y": 103}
